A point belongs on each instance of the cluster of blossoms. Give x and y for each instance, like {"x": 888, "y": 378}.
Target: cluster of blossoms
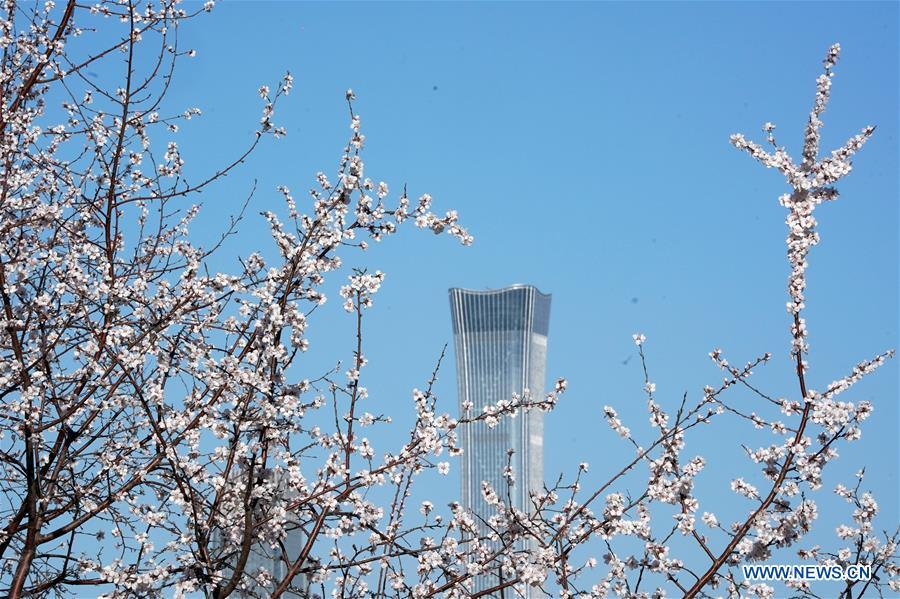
{"x": 361, "y": 288}
{"x": 812, "y": 182}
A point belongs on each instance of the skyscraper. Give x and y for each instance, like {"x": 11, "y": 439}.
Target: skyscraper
{"x": 267, "y": 565}
{"x": 500, "y": 337}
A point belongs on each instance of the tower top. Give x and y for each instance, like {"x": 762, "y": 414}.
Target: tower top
{"x": 513, "y": 308}
{"x": 512, "y": 287}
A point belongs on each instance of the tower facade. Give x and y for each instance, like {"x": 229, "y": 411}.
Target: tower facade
{"x": 269, "y": 557}
{"x": 500, "y": 338}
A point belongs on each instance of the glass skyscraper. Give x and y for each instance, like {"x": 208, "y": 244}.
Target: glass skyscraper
{"x": 263, "y": 556}
{"x": 500, "y": 338}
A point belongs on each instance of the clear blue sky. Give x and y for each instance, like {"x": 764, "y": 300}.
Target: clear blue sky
{"x": 586, "y": 147}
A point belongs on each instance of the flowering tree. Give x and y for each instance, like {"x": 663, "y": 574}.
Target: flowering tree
{"x": 156, "y": 429}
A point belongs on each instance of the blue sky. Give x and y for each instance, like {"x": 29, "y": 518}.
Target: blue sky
{"x": 585, "y": 146}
